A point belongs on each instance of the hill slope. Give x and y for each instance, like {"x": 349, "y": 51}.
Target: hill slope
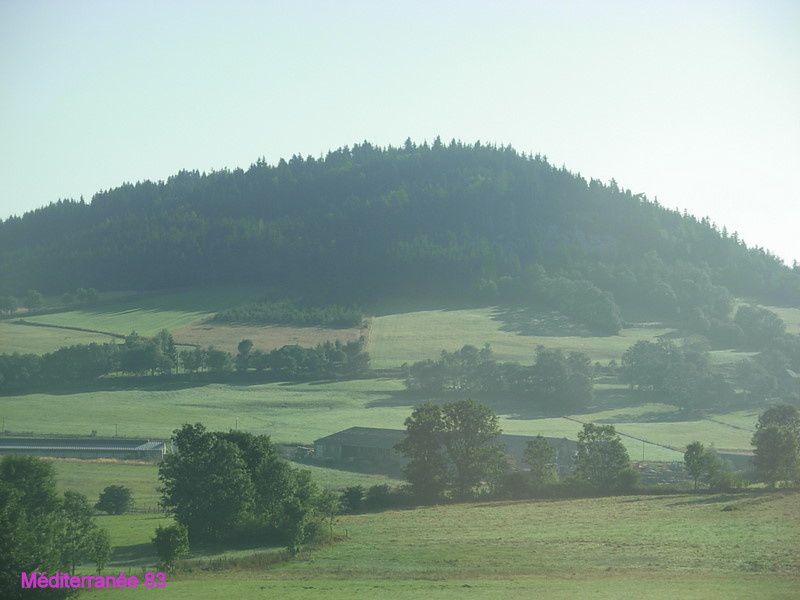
{"x": 365, "y": 223}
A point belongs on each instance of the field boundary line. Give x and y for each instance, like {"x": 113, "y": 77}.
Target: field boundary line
{"x": 633, "y": 437}
{"x": 731, "y": 425}
{"x": 68, "y": 328}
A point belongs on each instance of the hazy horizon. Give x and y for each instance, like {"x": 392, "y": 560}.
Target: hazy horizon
{"x": 691, "y": 103}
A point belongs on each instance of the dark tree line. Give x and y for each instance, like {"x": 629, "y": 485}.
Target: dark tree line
{"x": 291, "y": 363}
{"x": 365, "y": 222}
{"x": 291, "y": 313}
{"x": 679, "y": 375}
{"x": 142, "y": 356}
{"x": 556, "y": 381}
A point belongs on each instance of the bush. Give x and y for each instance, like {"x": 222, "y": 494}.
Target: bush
{"x": 725, "y": 481}
{"x": 627, "y": 480}
{"x": 515, "y": 485}
{"x": 115, "y": 500}
{"x": 378, "y": 497}
{"x": 171, "y": 544}
{"x": 353, "y": 499}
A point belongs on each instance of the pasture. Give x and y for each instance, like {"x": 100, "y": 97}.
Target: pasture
{"x": 38, "y": 340}
{"x": 90, "y": 477}
{"x": 408, "y": 337}
{"x": 662, "y": 547}
{"x": 301, "y": 413}
{"x": 149, "y": 313}
{"x": 790, "y": 316}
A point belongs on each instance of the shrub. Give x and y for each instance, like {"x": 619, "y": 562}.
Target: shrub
{"x": 378, "y": 496}
{"x": 515, "y": 485}
{"x": 171, "y": 544}
{"x": 353, "y": 499}
{"x": 115, "y": 500}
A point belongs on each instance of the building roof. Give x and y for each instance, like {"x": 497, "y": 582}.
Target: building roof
{"x": 365, "y": 437}
{"x": 377, "y": 437}
{"x": 88, "y": 443}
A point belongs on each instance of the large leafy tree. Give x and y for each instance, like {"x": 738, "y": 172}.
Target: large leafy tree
{"x": 427, "y": 468}
{"x": 205, "y": 483}
{"x": 30, "y": 528}
{"x": 40, "y": 531}
{"x": 541, "y": 459}
{"x": 226, "y": 484}
{"x": 452, "y": 448}
{"x": 694, "y": 460}
{"x": 80, "y": 531}
{"x": 777, "y": 444}
{"x": 471, "y": 433}
{"x": 602, "y": 459}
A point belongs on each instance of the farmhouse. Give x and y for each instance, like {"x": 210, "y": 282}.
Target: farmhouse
{"x": 88, "y": 447}
{"x": 374, "y": 447}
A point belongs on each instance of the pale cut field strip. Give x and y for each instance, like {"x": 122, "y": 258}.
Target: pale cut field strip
{"x": 790, "y": 316}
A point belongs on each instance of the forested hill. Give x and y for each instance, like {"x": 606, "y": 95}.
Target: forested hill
{"x": 365, "y": 221}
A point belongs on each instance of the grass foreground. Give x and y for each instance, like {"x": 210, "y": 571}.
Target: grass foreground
{"x": 678, "y": 546}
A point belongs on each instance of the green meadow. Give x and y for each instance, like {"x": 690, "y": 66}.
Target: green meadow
{"x": 39, "y": 340}
{"x": 678, "y": 546}
{"x": 90, "y": 477}
{"x": 790, "y": 316}
{"x": 666, "y": 547}
{"x": 407, "y": 337}
{"x": 301, "y": 413}
{"x": 147, "y": 314}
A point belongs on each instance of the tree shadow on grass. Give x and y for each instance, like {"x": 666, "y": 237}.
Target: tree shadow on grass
{"x": 703, "y": 500}
{"x": 537, "y": 321}
{"x": 132, "y": 555}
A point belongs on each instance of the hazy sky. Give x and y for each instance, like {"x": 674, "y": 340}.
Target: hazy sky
{"x": 697, "y": 103}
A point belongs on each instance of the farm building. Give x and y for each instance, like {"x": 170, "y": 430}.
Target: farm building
{"x": 372, "y": 446}
{"x": 89, "y": 447}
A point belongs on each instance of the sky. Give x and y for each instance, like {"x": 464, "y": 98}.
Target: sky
{"x": 694, "y": 103}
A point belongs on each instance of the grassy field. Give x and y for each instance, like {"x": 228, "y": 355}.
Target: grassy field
{"x": 38, "y": 340}
{"x": 290, "y": 413}
{"x": 304, "y": 412}
{"x": 661, "y": 547}
{"x": 301, "y": 413}
{"x": 790, "y": 316}
{"x": 90, "y": 477}
{"x": 147, "y": 314}
{"x": 409, "y": 337}
{"x": 183, "y": 313}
